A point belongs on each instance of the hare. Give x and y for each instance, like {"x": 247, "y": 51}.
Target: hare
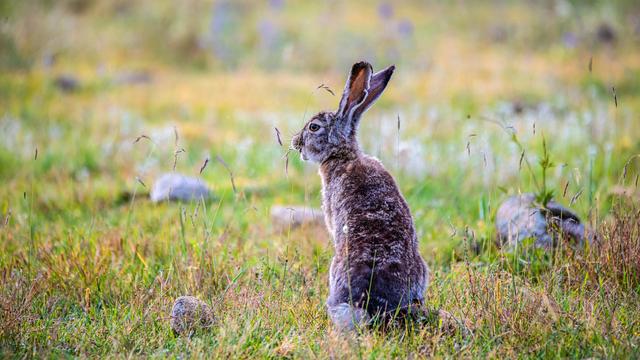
{"x": 376, "y": 271}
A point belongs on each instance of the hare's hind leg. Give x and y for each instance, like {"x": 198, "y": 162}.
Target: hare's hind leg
{"x": 346, "y": 317}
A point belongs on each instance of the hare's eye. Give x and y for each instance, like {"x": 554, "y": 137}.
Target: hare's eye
{"x": 314, "y": 127}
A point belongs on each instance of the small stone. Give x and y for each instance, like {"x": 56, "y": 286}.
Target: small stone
{"x": 133, "y": 78}
{"x": 606, "y": 34}
{"x": 190, "y": 314}
{"x": 520, "y": 106}
{"x": 67, "y": 83}
{"x": 178, "y": 187}
{"x": 519, "y": 218}
{"x": 499, "y": 33}
{"x": 289, "y": 217}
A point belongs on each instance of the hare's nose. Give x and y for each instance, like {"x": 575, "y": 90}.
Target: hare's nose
{"x": 296, "y": 142}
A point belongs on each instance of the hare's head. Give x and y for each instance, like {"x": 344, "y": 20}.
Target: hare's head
{"x": 333, "y": 134}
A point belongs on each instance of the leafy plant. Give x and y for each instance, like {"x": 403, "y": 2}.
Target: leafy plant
{"x": 543, "y": 193}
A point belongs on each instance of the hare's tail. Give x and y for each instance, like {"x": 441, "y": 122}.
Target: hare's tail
{"x": 346, "y": 317}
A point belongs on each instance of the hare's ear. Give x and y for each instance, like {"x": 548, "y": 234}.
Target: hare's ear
{"x": 372, "y": 88}
{"x": 377, "y": 85}
{"x": 354, "y": 95}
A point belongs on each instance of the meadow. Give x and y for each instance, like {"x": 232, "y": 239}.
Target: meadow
{"x": 98, "y": 98}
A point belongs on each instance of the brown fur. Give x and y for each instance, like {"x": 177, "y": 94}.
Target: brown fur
{"x": 376, "y": 266}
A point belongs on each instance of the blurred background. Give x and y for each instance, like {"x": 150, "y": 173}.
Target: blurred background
{"x": 82, "y": 80}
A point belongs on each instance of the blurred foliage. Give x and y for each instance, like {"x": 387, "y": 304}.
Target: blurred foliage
{"x": 296, "y": 35}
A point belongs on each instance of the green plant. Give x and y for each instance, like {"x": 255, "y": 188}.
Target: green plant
{"x": 543, "y": 193}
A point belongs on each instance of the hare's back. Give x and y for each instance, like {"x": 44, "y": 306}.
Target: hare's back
{"x": 370, "y": 197}
{"x": 367, "y": 178}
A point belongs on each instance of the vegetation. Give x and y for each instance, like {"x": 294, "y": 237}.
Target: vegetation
{"x": 98, "y": 98}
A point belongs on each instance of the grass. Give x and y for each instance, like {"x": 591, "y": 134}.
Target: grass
{"x": 87, "y": 269}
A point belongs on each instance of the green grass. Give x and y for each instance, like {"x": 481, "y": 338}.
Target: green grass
{"x": 87, "y": 269}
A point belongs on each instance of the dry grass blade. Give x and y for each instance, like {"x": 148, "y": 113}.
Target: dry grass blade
{"x": 626, "y": 166}
{"x": 616, "y": 258}
{"x": 226, "y": 166}
{"x": 142, "y": 137}
{"x": 326, "y": 88}
{"x": 564, "y": 192}
{"x": 398, "y": 142}
{"x": 6, "y": 219}
{"x": 575, "y": 197}
{"x": 509, "y": 129}
{"x": 278, "y": 135}
{"x": 590, "y": 64}
{"x": 615, "y": 96}
{"x": 194, "y": 215}
{"x": 286, "y": 163}
{"x": 175, "y": 133}
{"x": 521, "y": 159}
{"x": 454, "y": 231}
{"x": 204, "y": 165}
{"x": 175, "y": 157}
{"x": 140, "y": 181}
{"x": 35, "y": 157}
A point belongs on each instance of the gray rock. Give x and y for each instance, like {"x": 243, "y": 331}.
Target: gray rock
{"x": 519, "y": 218}
{"x": 289, "y": 217}
{"x": 132, "y": 78}
{"x": 67, "y": 83}
{"x": 178, "y": 187}
{"x": 606, "y": 34}
{"x": 190, "y": 314}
